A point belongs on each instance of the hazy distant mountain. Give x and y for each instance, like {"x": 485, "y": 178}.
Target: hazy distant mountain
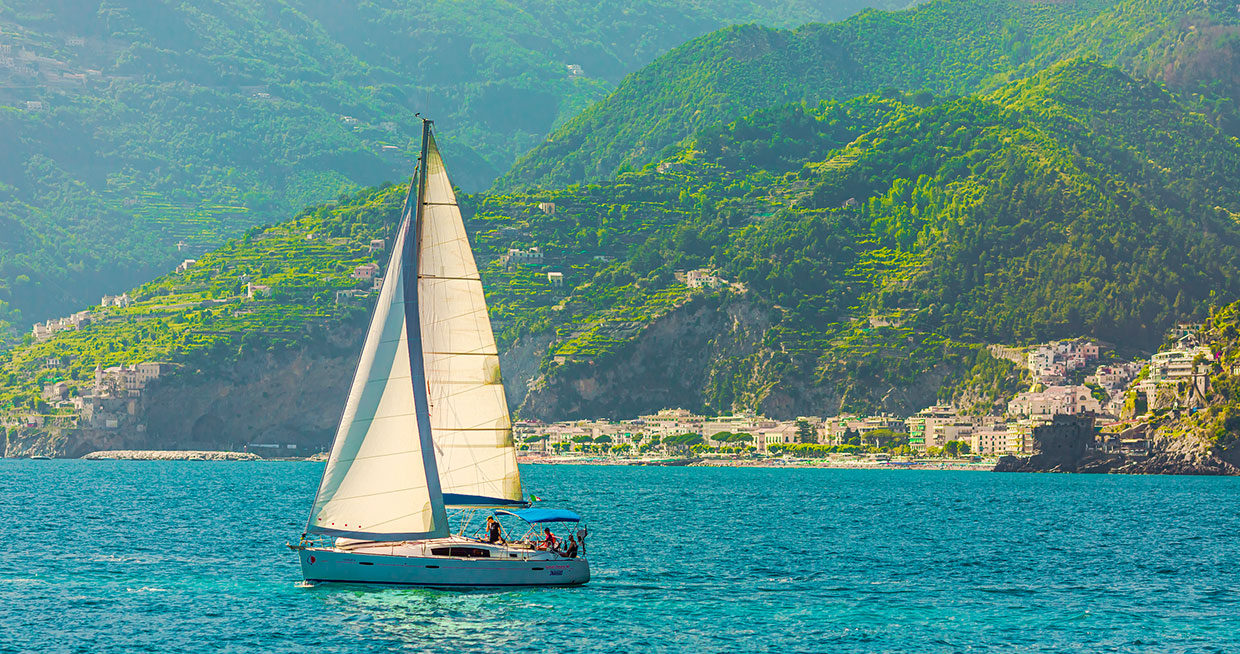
{"x": 128, "y": 127}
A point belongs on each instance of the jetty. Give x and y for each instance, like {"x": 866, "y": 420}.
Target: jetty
{"x": 172, "y": 455}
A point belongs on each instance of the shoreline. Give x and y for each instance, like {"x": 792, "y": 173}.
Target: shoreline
{"x": 916, "y": 464}
{"x": 985, "y": 466}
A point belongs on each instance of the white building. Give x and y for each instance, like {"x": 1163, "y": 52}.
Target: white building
{"x": 703, "y": 278}
{"x": 1050, "y": 363}
{"x": 1056, "y": 400}
{"x": 1177, "y": 364}
{"x": 928, "y": 428}
{"x": 253, "y": 290}
{"x": 530, "y": 257}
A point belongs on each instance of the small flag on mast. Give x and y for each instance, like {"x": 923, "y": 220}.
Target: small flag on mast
{"x": 535, "y": 498}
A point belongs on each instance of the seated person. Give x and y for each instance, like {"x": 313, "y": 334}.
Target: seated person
{"x": 494, "y": 533}
{"x": 570, "y": 550}
{"x": 548, "y": 543}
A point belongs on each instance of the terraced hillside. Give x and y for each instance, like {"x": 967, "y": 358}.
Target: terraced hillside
{"x": 808, "y": 259}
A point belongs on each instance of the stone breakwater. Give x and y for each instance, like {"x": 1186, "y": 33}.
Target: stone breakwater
{"x": 172, "y": 455}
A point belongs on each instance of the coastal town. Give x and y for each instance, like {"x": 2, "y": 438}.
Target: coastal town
{"x": 1066, "y": 378}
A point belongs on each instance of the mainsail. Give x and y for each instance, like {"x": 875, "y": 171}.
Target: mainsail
{"x": 469, "y": 419}
{"x": 380, "y": 481}
{"x": 426, "y": 423}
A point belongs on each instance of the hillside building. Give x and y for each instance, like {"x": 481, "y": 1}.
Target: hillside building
{"x": 516, "y": 256}
{"x": 1056, "y": 400}
{"x": 366, "y": 271}
{"x": 123, "y": 300}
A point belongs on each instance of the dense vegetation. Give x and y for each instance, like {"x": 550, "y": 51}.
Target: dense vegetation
{"x": 892, "y": 234}
{"x": 129, "y": 127}
{"x": 873, "y": 245}
{"x": 944, "y": 46}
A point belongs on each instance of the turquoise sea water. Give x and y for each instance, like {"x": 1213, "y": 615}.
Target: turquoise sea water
{"x": 101, "y": 556}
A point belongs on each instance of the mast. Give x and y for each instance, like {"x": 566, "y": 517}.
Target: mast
{"x": 413, "y": 325}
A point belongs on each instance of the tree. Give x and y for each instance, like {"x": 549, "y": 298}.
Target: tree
{"x": 955, "y": 448}
{"x": 805, "y": 432}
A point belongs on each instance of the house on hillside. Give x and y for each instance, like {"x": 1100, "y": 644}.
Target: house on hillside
{"x": 120, "y": 301}
{"x": 366, "y": 271}
{"x": 186, "y": 265}
{"x": 1056, "y": 400}
{"x": 348, "y": 295}
{"x": 253, "y": 290}
{"x": 703, "y": 278}
{"x": 530, "y": 257}
{"x": 547, "y": 208}
{"x": 556, "y": 279}
{"x": 376, "y": 244}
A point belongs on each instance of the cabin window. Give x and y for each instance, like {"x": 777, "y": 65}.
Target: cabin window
{"x": 465, "y": 552}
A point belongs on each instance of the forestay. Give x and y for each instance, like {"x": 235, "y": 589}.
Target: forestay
{"x": 469, "y": 419}
{"x": 380, "y": 481}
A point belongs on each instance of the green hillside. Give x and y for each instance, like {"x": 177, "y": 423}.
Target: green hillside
{"x": 871, "y": 249}
{"x": 1079, "y": 202}
{"x": 129, "y": 127}
{"x": 944, "y": 46}
{"x": 211, "y": 313}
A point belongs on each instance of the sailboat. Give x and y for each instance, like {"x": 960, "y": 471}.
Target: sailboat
{"x": 426, "y": 428}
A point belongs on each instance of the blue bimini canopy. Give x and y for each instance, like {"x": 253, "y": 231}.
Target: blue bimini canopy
{"x": 535, "y": 516}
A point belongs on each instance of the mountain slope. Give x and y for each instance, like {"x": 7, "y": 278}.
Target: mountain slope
{"x": 1078, "y": 202}
{"x": 870, "y": 249}
{"x": 129, "y": 127}
{"x": 946, "y": 46}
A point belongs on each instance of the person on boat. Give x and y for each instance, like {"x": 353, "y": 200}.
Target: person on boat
{"x": 570, "y": 550}
{"x": 548, "y": 542}
{"x": 494, "y": 534}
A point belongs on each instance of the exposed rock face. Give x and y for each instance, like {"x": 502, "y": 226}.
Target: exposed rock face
{"x": 798, "y": 395}
{"x": 1067, "y": 448}
{"x": 292, "y": 396}
{"x": 519, "y": 364}
{"x": 667, "y": 365}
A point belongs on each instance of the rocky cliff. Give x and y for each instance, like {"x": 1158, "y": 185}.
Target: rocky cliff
{"x": 704, "y": 343}
{"x": 290, "y": 396}
{"x": 1169, "y": 454}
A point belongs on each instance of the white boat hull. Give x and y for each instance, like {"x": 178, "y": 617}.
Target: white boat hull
{"x": 412, "y": 564}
